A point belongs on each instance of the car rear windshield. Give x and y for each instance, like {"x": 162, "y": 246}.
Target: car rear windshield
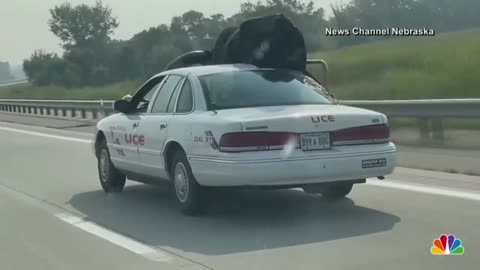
{"x": 258, "y": 88}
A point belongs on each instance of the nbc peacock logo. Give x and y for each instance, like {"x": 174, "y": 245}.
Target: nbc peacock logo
{"x": 447, "y": 245}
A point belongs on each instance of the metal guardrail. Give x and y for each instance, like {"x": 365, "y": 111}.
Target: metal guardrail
{"x": 429, "y": 112}
{"x": 428, "y": 108}
{"x": 422, "y": 108}
{"x": 68, "y": 109}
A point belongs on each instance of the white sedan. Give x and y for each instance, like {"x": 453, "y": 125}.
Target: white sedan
{"x": 240, "y": 126}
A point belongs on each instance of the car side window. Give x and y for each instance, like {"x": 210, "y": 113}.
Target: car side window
{"x": 165, "y": 95}
{"x": 143, "y": 104}
{"x": 173, "y": 99}
{"x": 185, "y": 99}
{"x": 143, "y": 97}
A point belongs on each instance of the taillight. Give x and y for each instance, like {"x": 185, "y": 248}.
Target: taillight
{"x": 362, "y": 135}
{"x": 257, "y": 141}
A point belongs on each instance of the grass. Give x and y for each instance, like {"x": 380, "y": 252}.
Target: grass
{"x": 444, "y": 66}
{"x": 28, "y": 91}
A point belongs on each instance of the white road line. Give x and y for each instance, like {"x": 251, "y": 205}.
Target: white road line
{"x": 46, "y": 135}
{"x": 115, "y": 238}
{"x": 426, "y": 189}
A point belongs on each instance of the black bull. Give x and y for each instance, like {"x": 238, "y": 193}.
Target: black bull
{"x": 268, "y": 42}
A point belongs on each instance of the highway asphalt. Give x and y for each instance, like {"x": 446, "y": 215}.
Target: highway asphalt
{"x": 55, "y": 216}
{"x": 13, "y": 83}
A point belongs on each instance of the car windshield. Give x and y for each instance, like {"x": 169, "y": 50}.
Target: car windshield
{"x": 255, "y": 88}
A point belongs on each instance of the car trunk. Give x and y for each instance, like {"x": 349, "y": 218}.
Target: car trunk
{"x": 301, "y": 118}
{"x": 309, "y": 127}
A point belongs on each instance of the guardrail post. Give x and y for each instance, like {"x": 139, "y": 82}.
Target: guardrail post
{"x": 424, "y": 129}
{"x": 102, "y": 109}
{"x": 74, "y": 113}
{"x": 55, "y": 111}
{"x": 83, "y": 113}
{"x": 64, "y": 112}
{"x": 94, "y": 114}
{"x": 438, "y": 136}
{"x": 24, "y": 109}
{"x": 29, "y": 110}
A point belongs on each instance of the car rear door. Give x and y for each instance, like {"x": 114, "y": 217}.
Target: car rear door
{"x": 153, "y": 127}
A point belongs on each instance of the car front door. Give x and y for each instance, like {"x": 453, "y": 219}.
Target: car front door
{"x": 125, "y": 143}
{"x": 154, "y": 125}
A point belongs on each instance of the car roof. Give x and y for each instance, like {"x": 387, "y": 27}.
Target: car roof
{"x": 209, "y": 69}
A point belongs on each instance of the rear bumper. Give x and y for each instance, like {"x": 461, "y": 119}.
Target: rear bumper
{"x": 330, "y": 167}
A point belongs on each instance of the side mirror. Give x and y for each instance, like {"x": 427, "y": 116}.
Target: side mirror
{"x": 122, "y": 106}
{"x": 127, "y": 98}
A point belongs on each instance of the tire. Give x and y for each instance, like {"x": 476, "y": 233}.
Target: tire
{"x": 189, "y": 195}
{"x": 336, "y": 191}
{"x": 111, "y": 179}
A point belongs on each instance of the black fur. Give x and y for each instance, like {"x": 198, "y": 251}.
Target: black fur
{"x": 269, "y": 41}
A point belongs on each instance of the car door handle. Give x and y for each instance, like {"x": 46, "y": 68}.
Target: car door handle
{"x": 136, "y": 124}
{"x": 163, "y": 125}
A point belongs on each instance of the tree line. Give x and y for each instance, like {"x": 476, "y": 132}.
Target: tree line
{"x": 91, "y": 57}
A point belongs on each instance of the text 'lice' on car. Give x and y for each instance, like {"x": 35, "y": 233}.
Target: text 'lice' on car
{"x": 238, "y": 125}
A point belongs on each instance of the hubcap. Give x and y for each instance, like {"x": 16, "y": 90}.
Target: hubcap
{"x": 104, "y": 165}
{"x": 181, "y": 182}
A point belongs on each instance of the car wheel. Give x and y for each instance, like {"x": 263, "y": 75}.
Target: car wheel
{"x": 336, "y": 191}
{"x": 189, "y": 195}
{"x": 111, "y": 179}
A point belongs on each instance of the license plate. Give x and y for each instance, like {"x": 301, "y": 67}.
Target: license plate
{"x": 372, "y": 163}
{"x": 315, "y": 141}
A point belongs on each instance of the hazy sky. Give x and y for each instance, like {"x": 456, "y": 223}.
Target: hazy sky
{"x": 23, "y": 23}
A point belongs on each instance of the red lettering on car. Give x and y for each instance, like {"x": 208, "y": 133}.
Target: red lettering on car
{"x": 134, "y": 139}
